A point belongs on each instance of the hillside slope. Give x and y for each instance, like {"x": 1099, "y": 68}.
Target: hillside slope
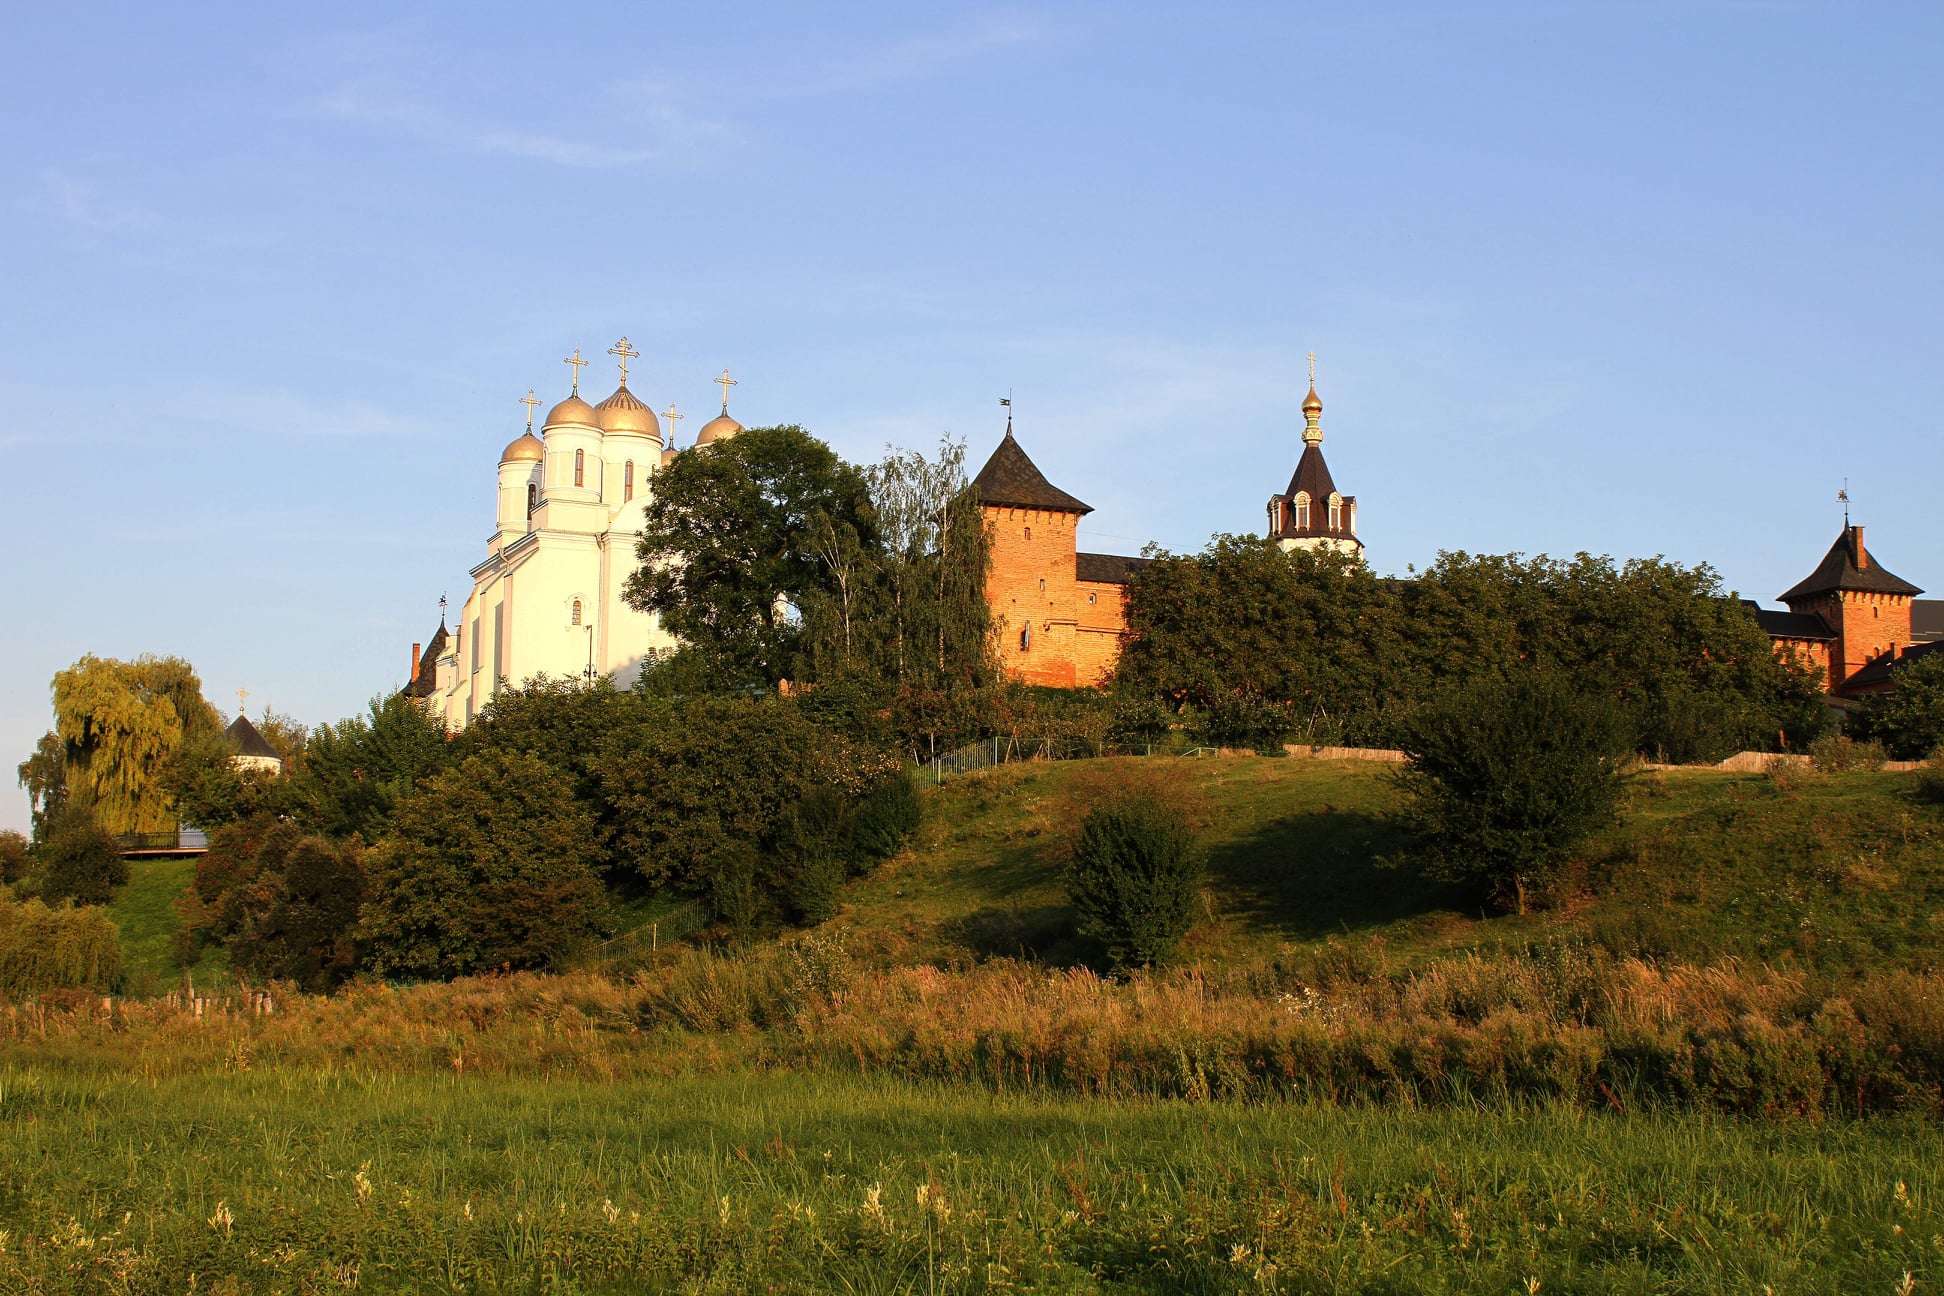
{"x": 1842, "y": 872}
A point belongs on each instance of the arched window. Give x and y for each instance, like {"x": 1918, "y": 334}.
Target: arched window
{"x": 1093, "y": 598}
{"x": 627, "y": 481}
{"x": 575, "y": 618}
{"x": 1275, "y": 516}
{"x": 1336, "y": 511}
{"x": 533, "y": 496}
{"x": 1029, "y": 533}
{"x": 1042, "y": 582}
{"x": 580, "y": 467}
{"x": 1302, "y": 510}
{"x": 1026, "y": 637}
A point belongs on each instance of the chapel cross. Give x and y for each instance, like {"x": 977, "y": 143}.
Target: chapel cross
{"x": 671, "y": 416}
{"x": 1312, "y": 371}
{"x": 725, "y": 382}
{"x": 626, "y": 353}
{"x": 577, "y": 362}
{"x": 530, "y": 400}
{"x": 242, "y": 701}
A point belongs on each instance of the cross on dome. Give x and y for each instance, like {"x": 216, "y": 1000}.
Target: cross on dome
{"x": 577, "y": 362}
{"x": 671, "y": 416}
{"x": 529, "y": 400}
{"x": 625, "y": 353}
{"x": 725, "y": 382}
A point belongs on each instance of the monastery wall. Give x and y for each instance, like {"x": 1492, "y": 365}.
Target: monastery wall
{"x": 1033, "y": 594}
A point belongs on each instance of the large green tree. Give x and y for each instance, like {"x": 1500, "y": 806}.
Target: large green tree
{"x": 44, "y": 777}
{"x": 1909, "y": 719}
{"x": 740, "y": 536}
{"x": 355, "y": 772}
{"x": 119, "y": 723}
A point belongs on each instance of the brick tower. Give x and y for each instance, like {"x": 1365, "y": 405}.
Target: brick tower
{"x": 1866, "y": 608}
{"x": 1032, "y": 586}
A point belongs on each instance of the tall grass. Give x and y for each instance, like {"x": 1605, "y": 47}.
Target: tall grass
{"x": 316, "y": 1180}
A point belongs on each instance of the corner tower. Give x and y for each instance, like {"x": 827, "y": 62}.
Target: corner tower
{"x": 1312, "y": 514}
{"x": 1866, "y": 608}
{"x": 1031, "y": 586}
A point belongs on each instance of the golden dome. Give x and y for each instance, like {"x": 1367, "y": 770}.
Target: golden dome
{"x": 1312, "y": 403}
{"x": 624, "y": 412}
{"x": 668, "y": 456}
{"x": 527, "y": 449}
{"x": 571, "y": 410}
{"x": 719, "y": 428}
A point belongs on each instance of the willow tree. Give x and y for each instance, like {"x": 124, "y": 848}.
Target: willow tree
{"x": 119, "y": 723}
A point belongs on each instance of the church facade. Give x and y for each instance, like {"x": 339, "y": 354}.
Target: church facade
{"x": 547, "y": 597}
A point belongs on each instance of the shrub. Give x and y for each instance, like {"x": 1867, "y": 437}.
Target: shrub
{"x": 78, "y": 860}
{"x": 816, "y": 856}
{"x": 1909, "y": 718}
{"x": 1134, "y": 879}
{"x": 1246, "y": 720}
{"x": 1840, "y": 754}
{"x": 296, "y": 922}
{"x": 490, "y": 867}
{"x": 45, "y": 948}
{"x": 885, "y": 817}
{"x": 1508, "y": 776}
{"x": 15, "y": 859}
{"x": 1786, "y": 775}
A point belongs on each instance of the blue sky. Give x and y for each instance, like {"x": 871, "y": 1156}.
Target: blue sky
{"x": 1629, "y": 278}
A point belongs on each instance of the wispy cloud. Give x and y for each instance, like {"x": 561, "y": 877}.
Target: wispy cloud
{"x": 285, "y": 414}
{"x": 82, "y": 206}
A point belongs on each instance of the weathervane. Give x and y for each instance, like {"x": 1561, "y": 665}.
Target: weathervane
{"x": 529, "y": 400}
{"x": 577, "y": 362}
{"x": 1006, "y": 400}
{"x": 1842, "y": 497}
{"x": 626, "y": 353}
{"x": 441, "y": 609}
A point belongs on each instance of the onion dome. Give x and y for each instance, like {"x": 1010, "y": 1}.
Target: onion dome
{"x": 527, "y": 449}
{"x": 571, "y": 410}
{"x": 668, "y": 456}
{"x": 719, "y": 428}
{"x": 624, "y": 412}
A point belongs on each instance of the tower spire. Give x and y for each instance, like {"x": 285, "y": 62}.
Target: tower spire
{"x": 1312, "y": 409}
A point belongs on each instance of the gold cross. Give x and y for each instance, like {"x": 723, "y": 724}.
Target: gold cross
{"x": 725, "y": 382}
{"x": 671, "y": 416}
{"x": 530, "y": 400}
{"x": 577, "y": 362}
{"x": 242, "y": 701}
{"x": 1312, "y": 371}
{"x": 626, "y": 353}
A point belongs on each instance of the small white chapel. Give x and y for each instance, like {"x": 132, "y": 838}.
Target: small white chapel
{"x": 546, "y": 599}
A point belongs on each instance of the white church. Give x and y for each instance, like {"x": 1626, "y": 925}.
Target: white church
{"x": 546, "y": 599}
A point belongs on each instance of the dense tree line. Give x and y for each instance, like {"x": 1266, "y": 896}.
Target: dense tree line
{"x": 1263, "y": 646}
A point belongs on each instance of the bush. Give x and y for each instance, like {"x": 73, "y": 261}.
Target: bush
{"x": 79, "y": 860}
{"x": 885, "y": 818}
{"x": 44, "y": 948}
{"x": 295, "y": 922}
{"x": 15, "y": 859}
{"x": 1508, "y": 776}
{"x": 1134, "y": 878}
{"x": 490, "y": 867}
{"x": 1245, "y": 720}
{"x": 1839, "y": 754}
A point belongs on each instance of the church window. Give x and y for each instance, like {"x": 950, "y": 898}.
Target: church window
{"x": 1042, "y": 582}
{"x": 575, "y": 617}
{"x": 1026, "y": 637}
{"x": 1093, "y": 598}
{"x": 1336, "y": 512}
{"x": 533, "y": 497}
{"x": 1302, "y": 510}
{"x": 580, "y": 467}
{"x": 627, "y": 481}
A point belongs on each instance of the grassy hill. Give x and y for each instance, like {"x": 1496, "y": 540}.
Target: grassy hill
{"x": 1841, "y": 872}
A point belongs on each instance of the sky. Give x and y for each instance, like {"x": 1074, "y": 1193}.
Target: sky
{"x": 1633, "y": 279}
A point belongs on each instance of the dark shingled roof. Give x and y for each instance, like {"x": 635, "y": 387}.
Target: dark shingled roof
{"x": 1312, "y": 475}
{"x": 1107, "y": 569}
{"x": 1839, "y": 570}
{"x": 428, "y": 671}
{"x": 1010, "y": 480}
{"x": 1927, "y": 618}
{"x": 1880, "y": 671}
{"x": 1788, "y": 625}
{"x": 244, "y": 740}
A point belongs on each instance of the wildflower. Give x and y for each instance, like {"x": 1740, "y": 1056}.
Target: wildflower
{"x": 222, "y": 1219}
{"x": 468, "y": 1208}
{"x": 363, "y": 1181}
{"x": 1903, "y": 1194}
{"x": 609, "y": 1209}
{"x": 722, "y": 1211}
{"x": 874, "y": 1207}
{"x": 1238, "y": 1253}
{"x": 932, "y": 1198}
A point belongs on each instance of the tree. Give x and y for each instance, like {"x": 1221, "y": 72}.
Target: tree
{"x": 1909, "y": 719}
{"x": 119, "y": 722}
{"x": 489, "y": 866}
{"x": 78, "y": 859}
{"x": 210, "y": 791}
{"x": 729, "y": 544}
{"x": 1508, "y": 775}
{"x": 15, "y": 858}
{"x": 297, "y": 921}
{"x": 1134, "y": 878}
{"x": 44, "y": 776}
{"x": 356, "y": 771}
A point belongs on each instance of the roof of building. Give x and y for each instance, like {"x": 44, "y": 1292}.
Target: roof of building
{"x": 1848, "y": 566}
{"x": 1312, "y": 475}
{"x": 1927, "y": 619}
{"x": 428, "y": 668}
{"x": 624, "y": 413}
{"x": 244, "y": 740}
{"x": 1881, "y": 671}
{"x": 1010, "y": 480}
{"x": 719, "y": 428}
{"x": 1788, "y": 625}
{"x": 1107, "y": 569}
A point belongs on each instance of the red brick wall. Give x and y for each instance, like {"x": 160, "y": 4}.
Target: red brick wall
{"x": 1867, "y": 626}
{"x": 1031, "y": 582}
{"x": 1810, "y": 652}
{"x": 1103, "y": 622}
